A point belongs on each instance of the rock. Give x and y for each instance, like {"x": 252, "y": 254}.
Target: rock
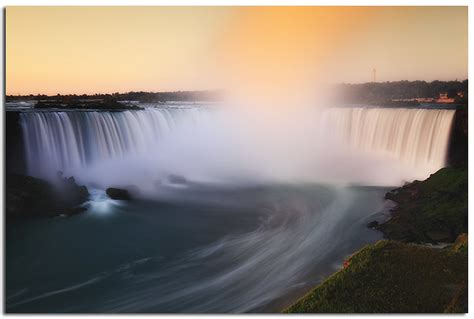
{"x": 373, "y": 224}
{"x": 73, "y": 193}
{"x": 30, "y": 197}
{"x": 390, "y": 195}
{"x": 118, "y": 193}
{"x": 133, "y": 190}
{"x": 431, "y": 211}
{"x": 14, "y": 144}
{"x": 458, "y": 144}
{"x": 176, "y": 179}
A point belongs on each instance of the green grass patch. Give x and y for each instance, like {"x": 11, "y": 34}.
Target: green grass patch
{"x": 393, "y": 277}
{"x": 433, "y": 210}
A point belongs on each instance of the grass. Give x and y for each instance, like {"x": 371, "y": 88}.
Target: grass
{"x": 433, "y": 210}
{"x": 401, "y": 277}
{"x": 394, "y": 277}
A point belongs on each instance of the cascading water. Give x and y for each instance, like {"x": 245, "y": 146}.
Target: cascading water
{"x": 207, "y": 247}
{"x": 197, "y": 143}
{"x": 416, "y": 136}
{"x": 66, "y": 140}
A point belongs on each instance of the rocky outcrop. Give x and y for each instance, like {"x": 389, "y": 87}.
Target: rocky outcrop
{"x": 433, "y": 210}
{"x": 30, "y": 197}
{"x": 177, "y": 179}
{"x": 118, "y": 193}
{"x": 14, "y": 147}
{"x": 458, "y": 145}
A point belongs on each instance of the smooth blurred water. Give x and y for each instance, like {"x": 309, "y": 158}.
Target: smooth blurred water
{"x": 203, "y": 249}
{"x": 357, "y": 145}
{"x": 264, "y": 212}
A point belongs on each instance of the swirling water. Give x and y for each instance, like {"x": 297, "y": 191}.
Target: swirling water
{"x": 255, "y": 250}
{"x": 261, "y": 218}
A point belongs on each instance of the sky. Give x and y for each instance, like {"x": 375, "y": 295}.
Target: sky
{"x": 84, "y": 50}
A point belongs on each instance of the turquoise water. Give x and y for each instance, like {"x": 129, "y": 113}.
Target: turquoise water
{"x": 201, "y": 249}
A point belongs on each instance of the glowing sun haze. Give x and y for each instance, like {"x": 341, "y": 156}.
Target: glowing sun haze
{"x": 119, "y": 49}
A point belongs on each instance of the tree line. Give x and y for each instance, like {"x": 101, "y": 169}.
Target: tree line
{"x": 355, "y": 93}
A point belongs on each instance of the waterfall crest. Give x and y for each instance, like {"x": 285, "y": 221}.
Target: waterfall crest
{"x": 68, "y": 141}
{"x": 415, "y": 136}
{"x": 64, "y": 140}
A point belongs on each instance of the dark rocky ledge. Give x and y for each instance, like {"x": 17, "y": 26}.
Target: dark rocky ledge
{"x": 430, "y": 211}
{"x": 118, "y": 193}
{"x": 30, "y": 197}
{"x": 458, "y": 143}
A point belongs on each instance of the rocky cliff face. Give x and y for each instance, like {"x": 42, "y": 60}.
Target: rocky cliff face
{"x": 458, "y": 147}
{"x": 29, "y": 197}
{"x": 433, "y": 210}
{"x": 14, "y": 147}
{"x": 16, "y": 159}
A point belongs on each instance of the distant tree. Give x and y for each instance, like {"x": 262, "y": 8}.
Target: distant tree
{"x": 452, "y": 93}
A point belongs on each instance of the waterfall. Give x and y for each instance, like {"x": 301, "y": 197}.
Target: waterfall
{"x": 63, "y": 140}
{"x": 72, "y": 140}
{"x": 415, "y": 136}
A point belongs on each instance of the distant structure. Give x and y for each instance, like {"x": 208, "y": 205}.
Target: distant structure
{"x": 443, "y": 98}
{"x": 374, "y": 75}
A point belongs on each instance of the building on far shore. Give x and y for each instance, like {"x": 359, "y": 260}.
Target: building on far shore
{"x": 443, "y": 98}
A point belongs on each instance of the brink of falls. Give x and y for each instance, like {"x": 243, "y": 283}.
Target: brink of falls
{"x": 198, "y": 143}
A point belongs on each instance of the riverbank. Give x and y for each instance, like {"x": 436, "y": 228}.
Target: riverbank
{"x": 431, "y": 211}
{"x": 398, "y": 275}
{"x": 393, "y": 277}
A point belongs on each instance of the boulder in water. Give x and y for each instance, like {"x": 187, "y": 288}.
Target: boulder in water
{"x": 176, "y": 179}
{"x": 118, "y": 193}
{"x": 133, "y": 190}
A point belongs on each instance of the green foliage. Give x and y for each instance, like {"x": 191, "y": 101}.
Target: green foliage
{"x": 383, "y": 91}
{"x": 129, "y": 96}
{"x": 432, "y": 210}
{"x": 393, "y": 277}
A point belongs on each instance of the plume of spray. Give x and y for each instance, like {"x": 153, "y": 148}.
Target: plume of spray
{"x": 273, "y": 63}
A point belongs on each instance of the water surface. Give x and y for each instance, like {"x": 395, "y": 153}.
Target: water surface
{"x": 204, "y": 249}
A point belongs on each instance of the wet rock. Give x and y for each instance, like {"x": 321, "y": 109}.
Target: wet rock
{"x": 458, "y": 144}
{"x": 431, "y": 211}
{"x": 176, "y": 179}
{"x": 373, "y": 224}
{"x": 133, "y": 190}
{"x": 118, "y": 193}
{"x": 73, "y": 193}
{"x": 30, "y": 197}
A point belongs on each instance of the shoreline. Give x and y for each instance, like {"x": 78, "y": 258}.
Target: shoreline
{"x": 359, "y": 271}
{"x": 410, "y": 196}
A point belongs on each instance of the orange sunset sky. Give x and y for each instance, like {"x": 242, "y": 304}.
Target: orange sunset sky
{"x": 79, "y": 50}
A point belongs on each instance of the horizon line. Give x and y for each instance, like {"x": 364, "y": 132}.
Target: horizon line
{"x": 216, "y": 90}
